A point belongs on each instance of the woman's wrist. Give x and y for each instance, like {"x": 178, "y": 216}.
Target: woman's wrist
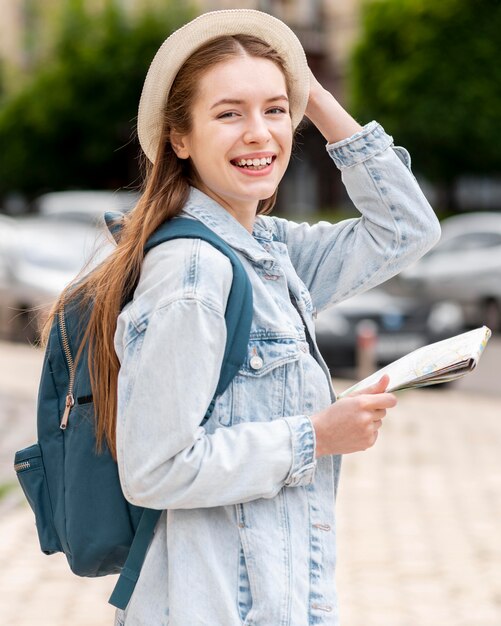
{"x": 317, "y": 427}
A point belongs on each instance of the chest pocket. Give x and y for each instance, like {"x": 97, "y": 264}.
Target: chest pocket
{"x": 267, "y": 384}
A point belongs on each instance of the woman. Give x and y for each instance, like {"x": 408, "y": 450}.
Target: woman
{"x": 247, "y": 535}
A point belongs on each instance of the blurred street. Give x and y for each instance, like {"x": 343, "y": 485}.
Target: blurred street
{"x": 418, "y": 514}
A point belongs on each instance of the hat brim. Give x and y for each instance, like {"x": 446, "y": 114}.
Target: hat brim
{"x": 184, "y": 41}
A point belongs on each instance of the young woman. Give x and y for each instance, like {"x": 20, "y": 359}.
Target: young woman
{"x": 247, "y": 535}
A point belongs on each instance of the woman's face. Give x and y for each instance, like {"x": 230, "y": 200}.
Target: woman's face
{"x": 241, "y": 114}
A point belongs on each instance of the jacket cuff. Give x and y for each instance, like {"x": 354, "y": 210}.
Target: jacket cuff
{"x": 368, "y": 142}
{"x": 304, "y": 463}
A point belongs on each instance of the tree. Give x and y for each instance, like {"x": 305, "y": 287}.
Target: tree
{"x": 430, "y": 73}
{"x": 72, "y": 126}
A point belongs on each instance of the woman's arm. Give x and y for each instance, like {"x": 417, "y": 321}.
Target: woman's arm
{"x": 397, "y": 225}
{"x": 170, "y": 364}
{"x": 165, "y": 458}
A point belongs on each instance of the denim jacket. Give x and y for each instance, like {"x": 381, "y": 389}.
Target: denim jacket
{"x": 247, "y": 536}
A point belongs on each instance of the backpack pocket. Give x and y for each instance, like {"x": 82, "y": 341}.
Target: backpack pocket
{"x": 30, "y": 471}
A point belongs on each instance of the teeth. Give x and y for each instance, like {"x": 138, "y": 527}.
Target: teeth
{"x": 255, "y": 162}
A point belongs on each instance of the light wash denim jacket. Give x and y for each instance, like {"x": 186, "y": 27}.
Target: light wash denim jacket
{"x": 248, "y": 532}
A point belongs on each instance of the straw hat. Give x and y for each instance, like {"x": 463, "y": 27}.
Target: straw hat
{"x": 184, "y": 41}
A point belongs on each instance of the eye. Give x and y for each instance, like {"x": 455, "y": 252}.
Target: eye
{"x": 223, "y": 115}
{"x": 276, "y": 110}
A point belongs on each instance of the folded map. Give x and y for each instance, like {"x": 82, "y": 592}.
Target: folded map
{"x": 435, "y": 363}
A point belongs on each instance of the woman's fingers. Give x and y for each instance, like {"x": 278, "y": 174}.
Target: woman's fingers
{"x": 374, "y": 402}
{"x": 378, "y": 415}
{"x": 352, "y": 423}
{"x": 378, "y": 387}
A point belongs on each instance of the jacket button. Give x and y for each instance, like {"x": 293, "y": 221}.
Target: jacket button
{"x": 256, "y": 362}
{"x": 322, "y": 607}
{"x": 325, "y": 527}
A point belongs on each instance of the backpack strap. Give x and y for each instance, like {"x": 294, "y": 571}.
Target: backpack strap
{"x": 238, "y": 317}
{"x": 238, "y": 313}
{"x": 129, "y": 575}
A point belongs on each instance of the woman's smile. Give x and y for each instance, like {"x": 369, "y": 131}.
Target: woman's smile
{"x": 254, "y": 164}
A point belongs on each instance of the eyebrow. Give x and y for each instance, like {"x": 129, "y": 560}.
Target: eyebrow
{"x": 233, "y": 101}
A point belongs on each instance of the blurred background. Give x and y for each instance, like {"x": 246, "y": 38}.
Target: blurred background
{"x": 418, "y": 514}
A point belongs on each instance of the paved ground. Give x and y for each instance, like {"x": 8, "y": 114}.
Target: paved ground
{"x": 419, "y": 517}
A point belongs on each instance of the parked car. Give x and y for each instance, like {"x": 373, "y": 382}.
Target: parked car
{"x": 464, "y": 267}
{"x": 84, "y": 206}
{"x": 8, "y": 238}
{"x": 401, "y": 324}
{"x": 39, "y": 256}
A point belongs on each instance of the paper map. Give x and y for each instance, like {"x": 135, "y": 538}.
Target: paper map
{"x": 432, "y": 364}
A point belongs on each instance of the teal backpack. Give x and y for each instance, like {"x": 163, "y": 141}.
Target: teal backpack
{"x": 74, "y": 492}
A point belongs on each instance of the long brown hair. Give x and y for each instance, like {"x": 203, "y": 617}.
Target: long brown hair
{"x": 166, "y": 189}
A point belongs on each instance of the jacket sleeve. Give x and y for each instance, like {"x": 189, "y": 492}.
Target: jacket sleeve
{"x": 169, "y": 372}
{"x": 397, "y": 224}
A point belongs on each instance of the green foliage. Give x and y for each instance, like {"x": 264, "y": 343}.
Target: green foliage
{"x": 6, "y": 488}
{"x": 73, "y": 125}
{"x": 430, "y": 73}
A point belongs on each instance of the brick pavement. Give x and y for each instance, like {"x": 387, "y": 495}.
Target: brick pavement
{"x": 419, "y": 516}
{"x": 418, "y": 522}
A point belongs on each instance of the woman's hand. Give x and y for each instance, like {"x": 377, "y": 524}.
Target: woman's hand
{"x": 328, "y": 115}
{"x": 352, "y": 423}
{"x": 316, "y": 92}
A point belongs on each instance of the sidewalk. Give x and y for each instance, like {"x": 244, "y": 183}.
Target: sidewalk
{"x": 418, "y": 521}
{"x": 39, "y": 590}
{"x": 419, "y": 516}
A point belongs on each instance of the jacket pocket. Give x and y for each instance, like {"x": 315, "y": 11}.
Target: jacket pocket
{"x": 30, "y": 471}
{"x": 265, "y": 355}
{"x": 268, "y": 384}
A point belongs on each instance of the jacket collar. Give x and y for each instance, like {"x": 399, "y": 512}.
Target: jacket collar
{"x": 205, "y": 209}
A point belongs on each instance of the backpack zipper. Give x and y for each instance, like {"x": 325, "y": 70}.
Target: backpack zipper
{"x": 70, "y": 400}
{"x": 23, "y": 465}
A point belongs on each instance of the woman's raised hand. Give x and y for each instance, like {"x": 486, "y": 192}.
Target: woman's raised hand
{"x": 327, "y": 114}
{"x": 352, "y": 423}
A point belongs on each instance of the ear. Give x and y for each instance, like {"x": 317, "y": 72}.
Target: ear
{"x": 179, "y": 144}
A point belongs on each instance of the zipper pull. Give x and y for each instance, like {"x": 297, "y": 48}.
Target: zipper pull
{"x": 70, "y": 401}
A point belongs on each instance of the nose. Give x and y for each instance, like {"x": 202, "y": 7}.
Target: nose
{"x": 257, "y": 130}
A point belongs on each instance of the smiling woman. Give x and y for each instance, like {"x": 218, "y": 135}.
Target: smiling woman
{"x": 247, "y": 486}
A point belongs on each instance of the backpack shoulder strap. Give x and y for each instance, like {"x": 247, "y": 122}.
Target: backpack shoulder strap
{"x": 238, "y": 313}
{"x": 238, "y": 317}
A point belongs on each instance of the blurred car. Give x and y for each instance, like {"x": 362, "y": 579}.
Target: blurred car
{"x": 465, "y": 267}
{"x": 84, "y": 206}
{"x": 39, "y": 256}
{"x": 401, "y": 325}
{"x": 8, "y": 238}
